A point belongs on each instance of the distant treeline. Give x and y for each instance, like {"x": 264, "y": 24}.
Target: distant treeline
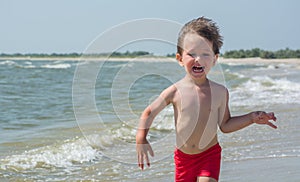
{"x": 256, "y": 52}
{"x": 77, "y": 55}
{"x": 41, "y": 55}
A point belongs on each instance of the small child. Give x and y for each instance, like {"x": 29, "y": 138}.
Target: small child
{"x": 200, "y": 106}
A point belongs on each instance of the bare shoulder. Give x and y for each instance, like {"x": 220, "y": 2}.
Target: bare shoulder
{"x": 218, "y": 88}
{"x": 169, "y": 93}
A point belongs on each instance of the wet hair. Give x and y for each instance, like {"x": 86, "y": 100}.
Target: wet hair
{"x": 205, "y": 28}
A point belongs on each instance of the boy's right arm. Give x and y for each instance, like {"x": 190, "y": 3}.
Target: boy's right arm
{"x": 142, "y": 145}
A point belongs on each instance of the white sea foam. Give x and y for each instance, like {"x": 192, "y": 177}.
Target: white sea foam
{"x": 28, "y": 64}
{"x": 7, "y": 62}
{"x": 265, "y": 90}
{"x": 60, "y": 155}
{"x": 57, "y": 66}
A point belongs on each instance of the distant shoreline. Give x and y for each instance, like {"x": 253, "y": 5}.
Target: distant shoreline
{"x": 146, "y": 58}
{"x": 52, "y": 58}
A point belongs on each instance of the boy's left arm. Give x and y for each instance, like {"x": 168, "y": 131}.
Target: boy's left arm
{"x": 231, "y": 124}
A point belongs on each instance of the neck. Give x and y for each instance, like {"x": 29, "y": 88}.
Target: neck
{"x": 199, "y": 82}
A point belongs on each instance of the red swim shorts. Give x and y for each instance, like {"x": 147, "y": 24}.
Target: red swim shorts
{"x": 190, "y": 166}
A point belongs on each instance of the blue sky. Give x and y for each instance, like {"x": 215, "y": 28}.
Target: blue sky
{"x": 64, "y": 26}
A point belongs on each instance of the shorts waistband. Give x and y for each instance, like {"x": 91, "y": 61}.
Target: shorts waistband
{"x": 215, "y": 147}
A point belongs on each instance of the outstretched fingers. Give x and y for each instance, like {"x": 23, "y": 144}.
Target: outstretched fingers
{"x": 271, "y": 125}
{"x": 147, "y": 160}
{"x": 272, "y": 116}
{"x": 141, "y": 161}
{"x": 264, "y": 118}
{"x": 143, "y": 156}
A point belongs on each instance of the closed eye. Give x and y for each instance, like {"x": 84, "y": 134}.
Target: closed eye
{"x": 192, "y": 55}
{"x": 205, "y": 54}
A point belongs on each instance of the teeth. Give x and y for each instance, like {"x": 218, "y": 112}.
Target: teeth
{"x": 198, "y": 68}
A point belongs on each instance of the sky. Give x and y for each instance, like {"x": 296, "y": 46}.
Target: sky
{"x": 66, "y": 26}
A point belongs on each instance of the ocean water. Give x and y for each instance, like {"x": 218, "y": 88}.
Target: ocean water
{"x": 76, "y": 120}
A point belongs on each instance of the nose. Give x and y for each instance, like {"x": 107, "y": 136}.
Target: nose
{"x": 197, "y": 59}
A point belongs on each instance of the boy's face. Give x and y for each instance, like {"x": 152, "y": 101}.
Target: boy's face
{"x": 197, "y": 56}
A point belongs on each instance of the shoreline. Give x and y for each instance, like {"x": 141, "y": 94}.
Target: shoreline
{"x": 154, "y": 59}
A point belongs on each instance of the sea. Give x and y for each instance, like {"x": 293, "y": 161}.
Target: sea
{"x": 65, "y": 120}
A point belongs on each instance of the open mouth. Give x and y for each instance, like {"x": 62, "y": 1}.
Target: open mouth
{"x": 198, "y": 69}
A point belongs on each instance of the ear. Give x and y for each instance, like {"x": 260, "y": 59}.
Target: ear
{"x": 179, "y": 59}
{"x": 216, "y": 57}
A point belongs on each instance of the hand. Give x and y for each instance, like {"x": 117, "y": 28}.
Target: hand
{"x": 261, "y": 117}
{"x": 142, "y": 149}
